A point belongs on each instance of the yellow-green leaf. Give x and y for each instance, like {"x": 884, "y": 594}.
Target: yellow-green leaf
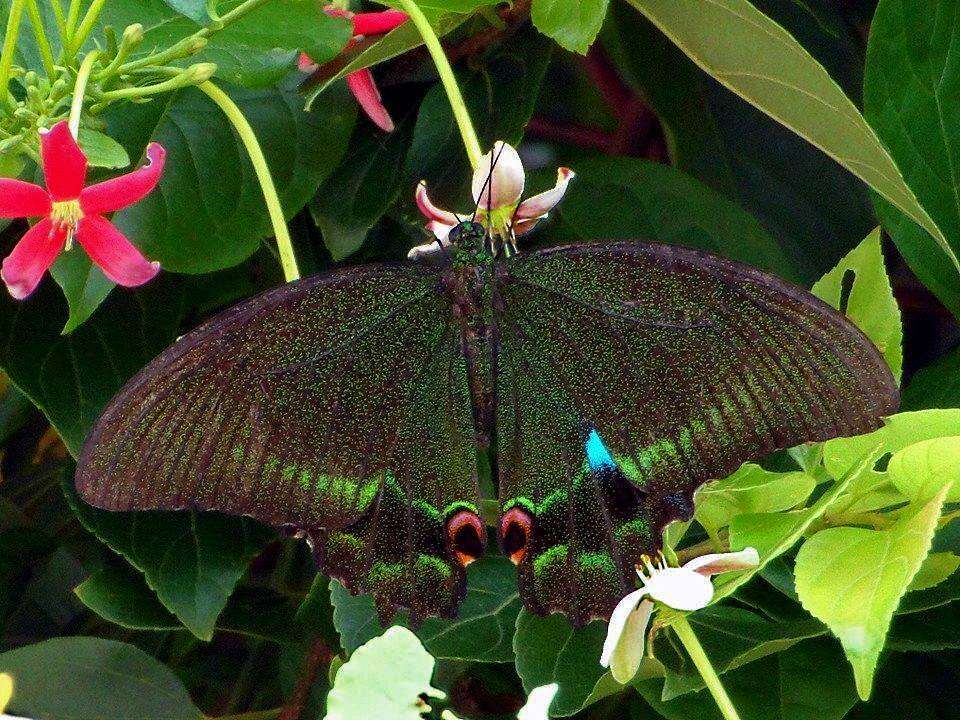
{"x": 853, "y": 579}
{"x": 920, "y": 470}
{"x": 869, "y": 301}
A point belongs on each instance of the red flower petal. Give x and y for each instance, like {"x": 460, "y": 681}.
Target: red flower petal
{"x": 127, "y": 189}
{"x": 22, "y": 199}
{"x": 376, "y": 23}
{"x": 306, "y": 64}
{"x": 365, "y": 91}
{"x": 108, "y": 248}
{"x": 64, "y": 164}
{"x": 431, "y": 211}
{"x": 36, "y": 251}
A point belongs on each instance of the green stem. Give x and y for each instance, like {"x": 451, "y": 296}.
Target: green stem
{"x": 43, "y": 45}
{"x": 86, "y": 27}
{"x": 249, "y": 139}
{"x": 702, "y": 663}
{"x": 10, "y": 44}
{"x": 460, "y": 112}
{"x": 194, "y": 43}
{"x": 79, "y": 89}
{"x": 192, "y": 75}
{"x": 238, "y": 12}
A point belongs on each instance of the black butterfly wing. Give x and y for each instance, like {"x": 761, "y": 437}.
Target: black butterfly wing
{"x": 630, "y": 374}
{"x": 338, "y": 405}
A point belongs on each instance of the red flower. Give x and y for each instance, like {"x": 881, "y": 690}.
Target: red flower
{"x": 69, "y": 210}
{"x": 361, "y": 82}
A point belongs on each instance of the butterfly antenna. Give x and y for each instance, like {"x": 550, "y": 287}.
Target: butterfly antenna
{"x": 487, "y": 184}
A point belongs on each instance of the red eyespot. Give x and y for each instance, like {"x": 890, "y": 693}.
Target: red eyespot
{"x": 515, "y": 527}
{"x": 467, "y": 536}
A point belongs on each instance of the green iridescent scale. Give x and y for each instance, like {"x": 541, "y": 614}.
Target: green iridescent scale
{"x": 607, "y": 382}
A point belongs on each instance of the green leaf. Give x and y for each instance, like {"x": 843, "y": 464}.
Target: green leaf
{"x": 757, "y": 59}
{"x": 625, "y": 198}
{"x": 102, "y": 150}
{"x": 869, "y": 300}
{"x": 935, "y": 386}
{"x": 87, "y": 678}
{"x": 191, "y": 561}
{"x": 402, "y": 670}
{"x": 734, "y": 637}
{"x": 936, "y": 568}
{"x": 920, "y": 470}
{"x": 208, "y": 211}
{"x": 801, "y": 683}
{"x": 751, "y": 489}
{"x": 772, "y": 534}
{"x": 574, "y": 24}
{"x": 122, "y": 597}
{"x": 256, "y": 50}
{"x": 853, "y": 579}
{"x": 897, "y": 432}
{"x": 549, "y": 649}
{"x": 909, "y": 97}
{"x": 482, "y": 631}
{"x": 928, "y": 631}
{"x": 196, "y": 10}
{"x": 815, "y": 208}
{"x": 361, "y": 189}
{"x": 84, "y": 286}
{"x": 70, "y": 378}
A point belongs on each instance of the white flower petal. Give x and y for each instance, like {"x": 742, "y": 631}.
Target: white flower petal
{"x": 618, "y": 621}
{"x": 628, "y": 653}
{"x": 538, "y": 703}
{"x": 539, "y": 205}
{"x": 419, "y": 251}
{"x": 717, "y": 563}
{"x": 522, "y": 227}
{"x": 431, "y": 211}
{"x": 680, "y": 588}
{"x": 504, "y": 185}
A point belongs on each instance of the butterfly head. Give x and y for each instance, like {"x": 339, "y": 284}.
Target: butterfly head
{"x": 471, "y": 244}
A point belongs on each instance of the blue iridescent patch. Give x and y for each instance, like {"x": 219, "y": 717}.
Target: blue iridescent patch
{"x": 597, "y": 454}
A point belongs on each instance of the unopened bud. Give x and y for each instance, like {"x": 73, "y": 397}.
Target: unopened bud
{"x": 132, "y": 35}
{"x": 201, "y": 72}
{"x": 29, "y": 78}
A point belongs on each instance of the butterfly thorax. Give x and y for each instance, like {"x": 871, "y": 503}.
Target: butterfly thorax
{"x": 468, "y": 284}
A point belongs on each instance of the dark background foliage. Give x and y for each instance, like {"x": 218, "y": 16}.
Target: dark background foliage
{"x": 663, "y": 153}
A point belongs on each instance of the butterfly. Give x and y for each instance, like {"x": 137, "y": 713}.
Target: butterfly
{"x": 602, "y": 383}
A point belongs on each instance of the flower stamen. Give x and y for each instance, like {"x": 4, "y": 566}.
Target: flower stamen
{"x": 66, "y": 215}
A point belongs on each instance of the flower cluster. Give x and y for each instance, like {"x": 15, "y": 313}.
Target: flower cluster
{"x": 498, "y": 184}
{"x": 68, "y": 211}
{"x": 361, "y": 82}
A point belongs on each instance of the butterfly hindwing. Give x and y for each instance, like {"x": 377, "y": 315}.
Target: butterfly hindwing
{"x": 337, "y": 405}
{"x": 630, "y": 374}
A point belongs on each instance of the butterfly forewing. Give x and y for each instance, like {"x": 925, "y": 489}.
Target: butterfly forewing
{"x": 338, "y": 405}
{"x": 629, "y": 374}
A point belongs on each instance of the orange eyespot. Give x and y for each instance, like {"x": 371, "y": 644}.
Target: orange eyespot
{"x": 467, "y": 536}
{"x": 515, "y": 527}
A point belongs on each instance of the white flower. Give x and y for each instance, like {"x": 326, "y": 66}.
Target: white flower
{"x": 685, "y": 588}
{"x": 498, "y": 184}
{"x": 538, "y": 703}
